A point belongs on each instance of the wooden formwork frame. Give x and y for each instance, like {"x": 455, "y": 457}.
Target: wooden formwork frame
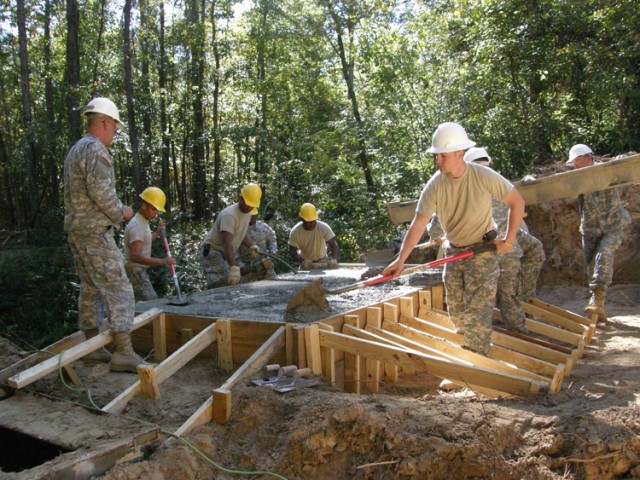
{"x": 368, "y": 346}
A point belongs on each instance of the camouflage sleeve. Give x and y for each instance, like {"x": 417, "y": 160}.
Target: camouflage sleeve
{"x": 101, "y": 185}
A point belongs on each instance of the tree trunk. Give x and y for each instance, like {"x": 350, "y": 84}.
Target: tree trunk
{"x": 27, "y": 116}
{"x": 146, "y": 30}
{"x": 73, "y": 71}
{"x": 165, "y": 145}
{"x": 138, "y": 177}
{"x": 217, "y": 141}
{"x": 94, "y": 82}
{"x": 52, "y": 163}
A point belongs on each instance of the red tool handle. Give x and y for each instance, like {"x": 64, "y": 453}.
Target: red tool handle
{"x": 166, "y": 247}
{"x": 434, "y": 264}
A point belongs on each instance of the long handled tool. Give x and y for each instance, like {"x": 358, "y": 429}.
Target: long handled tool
{"x": 180, "y": 301}
{"x": 385, "y": 256}
{"x": 315, "y": 294}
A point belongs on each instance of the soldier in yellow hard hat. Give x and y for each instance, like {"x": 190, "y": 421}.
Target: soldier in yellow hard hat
{"x": 137, "y": 243}
{"x": 308, "y": 240}
{"x": 220, "y": 245}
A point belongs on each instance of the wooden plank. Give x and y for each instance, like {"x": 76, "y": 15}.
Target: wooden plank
{"x": 553, "y": 318}
{"x": 554, "y": 333}
{"x": 561, "y": 186}
{"x": 50, "y": 365}
{"x": 166, "y": 369}
{"x": 203, "y": 415}
{"x": 56, "y": 347}
{"x": 148, "y": 381}
{"x": 432, "y": 365}
{"x": 454, "y": 352}
{"x": 160, "y": 338}
{"x": 221, "y": 406}
{"x": 352, "y": 365}
{"x": 328, "y": 357}
{"x": 436, "y": 317}
{"x": 437, "y": 296}
{"x": 225, "y": 349}
{"x": 289, "y": 344}
{"x": 186, "y": 334}
{"x": 554, "y": 371}
{"x": 560, "y": 311}
{"x": 372, "y": 368}
{"x": 425, "y": 300}
{"x": 300, "y": 355}
{"x": 312, "y": 343}
{"x": 408, "y": 306}
{"x": 390, "y": 312}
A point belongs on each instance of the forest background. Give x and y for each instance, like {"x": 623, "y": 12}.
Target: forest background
{"x": 332, "y": 102}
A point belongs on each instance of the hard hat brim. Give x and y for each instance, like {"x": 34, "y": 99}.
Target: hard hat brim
{"x": 451, "y": 148}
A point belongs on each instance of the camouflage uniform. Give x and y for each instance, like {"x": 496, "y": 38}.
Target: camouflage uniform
{"x": 531, "y": 262}
{"x": 603, "y": 220}
{"x": 93, "y": 212}
{"x": 142, "y": 288}
{"x": 471, "y": 291}
{"x": 264, "y": 237}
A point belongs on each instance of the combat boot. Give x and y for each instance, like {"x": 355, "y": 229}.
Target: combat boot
{"x": 100, "y": 355}
{"x": 596, "y": 304}
{"x": 124, "y": 358}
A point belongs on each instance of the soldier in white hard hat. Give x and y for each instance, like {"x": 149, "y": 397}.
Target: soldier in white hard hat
{"x": 93, "y": 212}
{"x": 519, "y": 268}
{"x": 220, "y": 246}
{"x": 309, "y": 238}
{"x": 137, "y": 243}
{"x": 603, "y": 220}
{"x": 460, "y": 193}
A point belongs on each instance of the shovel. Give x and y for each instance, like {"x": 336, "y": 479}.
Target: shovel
{"x": 180, "y": 301}
{"x": 385, "y": 256}
{"x": 315, "y": 294}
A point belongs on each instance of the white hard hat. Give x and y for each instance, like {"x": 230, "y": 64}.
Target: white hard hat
{"x": 450, "y": 137}
{"x": 106, "y": 107}
{"x": 578, "y": 150}
{"x": 476, "y": 153}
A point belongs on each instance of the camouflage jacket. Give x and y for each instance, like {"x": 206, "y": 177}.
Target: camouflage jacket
{"x": 602, "y": 212}
{"x": 263, "y": 236}
{"x": 90, "y": 200}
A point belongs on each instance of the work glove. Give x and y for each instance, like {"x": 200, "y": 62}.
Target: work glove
{"x": 306, "y": 265}
{"x": 254, "y": 251}
{"x": 234, "y": 275}
{"x": 333, "y": 263}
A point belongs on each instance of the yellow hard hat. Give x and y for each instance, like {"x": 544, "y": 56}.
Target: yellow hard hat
{"x": 254, "y": 211}
{"x": 155, "y": 197}
{"x": 308, "y": 212}
{"x": 252, "y": 194}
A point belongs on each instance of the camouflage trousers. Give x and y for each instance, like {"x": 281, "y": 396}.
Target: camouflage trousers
{"x": 471, "y": 295}
{"x": 599, "y": 253}
{"x": 105, "y": 290}
{"x": 216, "y": 269}
{"x": 531, "y": 263}
{"x": 507, "y": 299}
{"x": 141, "y": 283}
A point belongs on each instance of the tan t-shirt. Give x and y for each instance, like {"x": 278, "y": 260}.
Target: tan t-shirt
{"x": 463, "y": 204}
{"x": 137, "y": 230}
{"x": 231, "y": 220}
{"x": 311, "y": 243}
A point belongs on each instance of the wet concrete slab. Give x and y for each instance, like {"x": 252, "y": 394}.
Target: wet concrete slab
{"x": 267, "y": 300}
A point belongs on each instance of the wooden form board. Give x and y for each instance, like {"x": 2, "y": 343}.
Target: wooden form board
{"x": 167, "y": 368}
{"x": 429, "y": 364}
{"x": 565, "y": 185}
{"x": 26, "y": 377}
{"x": 218, "y": 406}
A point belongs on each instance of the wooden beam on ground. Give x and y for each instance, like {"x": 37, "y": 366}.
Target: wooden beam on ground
{"x": 553, "y": 318}
{"x": 312, "y": 343}
{"x": 218, "y": 406}
{"x": 167, "y": 368}
{"x": 437, "y": 317}
{"x": 27, "y": 362}
{"x": 50, "y": 365}
{"x": 560, "y": 311}
{"x": 261, "y": 358}
{"x": 457, "y": 353}
{"x": 160, "y": 338}
{"x": 225, "y": 349}
{"x": 432, "y": 365}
